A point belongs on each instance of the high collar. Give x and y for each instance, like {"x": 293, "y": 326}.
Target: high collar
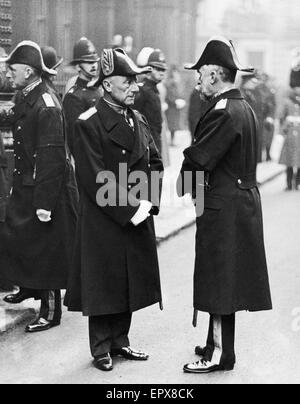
{"x": 117, "y": 108}
{"x": 39, "y": 90}
{"x": 27, "y": 90}
{"x": 233, "y": 94}
{"x": 82, "y": 83}
{"x": 150, "y": 83}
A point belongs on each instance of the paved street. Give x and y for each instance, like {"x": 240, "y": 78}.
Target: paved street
{"x": 267, "y": 343}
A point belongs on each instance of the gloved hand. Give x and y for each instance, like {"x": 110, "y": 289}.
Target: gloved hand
{"x": 142, "y": 214}
{"x": 44, "y": 216}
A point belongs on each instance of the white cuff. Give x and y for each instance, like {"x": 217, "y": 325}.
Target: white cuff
{"x": 142, "y": 214}
{"x": 44, "y": 215}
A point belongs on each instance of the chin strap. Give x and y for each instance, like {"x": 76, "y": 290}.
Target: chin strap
{"x": 88, "y": 75}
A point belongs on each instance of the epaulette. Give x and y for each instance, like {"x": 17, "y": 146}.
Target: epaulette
{"x": 88, "y": 114}
{"x": 71, "y": 91}
{"x": 222, "y": 104}
{"x": 48, "y": 100}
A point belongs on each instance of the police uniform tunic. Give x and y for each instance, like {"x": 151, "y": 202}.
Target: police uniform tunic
{"x": 148, "y": 103}
{"x": 79, "y": 99}
{"x": 230, "y": 270}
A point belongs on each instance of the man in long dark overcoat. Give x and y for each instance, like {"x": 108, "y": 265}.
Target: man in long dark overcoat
{"x": 230, "y": 271}
{"x": 116, "y": 268}
{"x": 42, "y": 213}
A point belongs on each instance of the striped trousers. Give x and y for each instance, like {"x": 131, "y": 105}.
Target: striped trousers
{"x": 221, "y": 341}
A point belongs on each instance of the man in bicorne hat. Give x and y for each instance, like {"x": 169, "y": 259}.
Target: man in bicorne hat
{"x": 41, "y": 219}
{"x": 116, "y": 268}
{"x": 230, "y": 270}
{"x": 83, "y": 95}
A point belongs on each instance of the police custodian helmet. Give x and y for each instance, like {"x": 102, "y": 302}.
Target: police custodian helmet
{"x": 221, "y": 52}
{"x": 84, "y": 52}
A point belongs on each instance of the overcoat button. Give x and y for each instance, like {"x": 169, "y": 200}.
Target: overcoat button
{"x": 124, "y": 151}
{"x": 240, "y": 182}
{"x": 19, "y": 128}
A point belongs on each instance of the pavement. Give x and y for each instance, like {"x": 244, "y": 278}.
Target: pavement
{"x": 177, "y": 214}
{"x": 267, "y": 343}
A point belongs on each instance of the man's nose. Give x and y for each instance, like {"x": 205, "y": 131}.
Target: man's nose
{"x": 8, "y": 75}
{"x": 135, "y": 88}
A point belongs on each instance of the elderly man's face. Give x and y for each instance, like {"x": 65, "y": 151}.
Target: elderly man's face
{"x": 18, "y": 75}
{"x": 122, "y": 89}
{"x": 206, "y": 82}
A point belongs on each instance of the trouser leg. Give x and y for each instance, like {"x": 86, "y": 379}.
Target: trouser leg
{"x": 109, "y": 332}
{"x": 51, "y": 309}
{"x": 290, "y": 177}
{"x": 298, "y": 178}
{"x": 120, "y": 330}
{"x": 222, "y": 333}
{"x": 172, "y": 136}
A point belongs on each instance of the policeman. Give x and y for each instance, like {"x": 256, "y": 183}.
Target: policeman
{"x": 116, "y": 267}
{"x": 230, "y": 270}
{"x": 148, "y": 101}
{"x": 53, "y": 62}
{"x": 42, "y": 212}
{"x": 83, "y": 95}
{"x": 290, "y": 128}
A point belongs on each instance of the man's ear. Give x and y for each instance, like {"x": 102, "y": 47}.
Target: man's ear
{"x": 213, "y": 77}
{"x": 107, "y": 86}
{"x": 28, "y": 72}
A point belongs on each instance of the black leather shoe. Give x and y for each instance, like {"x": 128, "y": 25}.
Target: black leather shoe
{"x": 204, "y": 367}
{"x": 17, "y": 298}
{"x": 130, "y": 354}
{"x": 40, "y": 325}
{"x": 104, "y": 363}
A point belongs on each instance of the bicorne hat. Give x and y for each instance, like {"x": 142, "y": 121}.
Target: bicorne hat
{"x": 220, "y": 52}
{"x": 116, "y": 62}
{"x": 29, "y": 53}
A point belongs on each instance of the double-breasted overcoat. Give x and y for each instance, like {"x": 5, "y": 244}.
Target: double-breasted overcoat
{"x": 38, "y": 255}
{"x": 230, "y": 270}
{"x": 116, "y": 265}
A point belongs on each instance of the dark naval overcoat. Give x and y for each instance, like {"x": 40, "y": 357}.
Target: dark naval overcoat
{"x": 116, "y": 265}
{"x": 38, "y": 255}
{"x": 230, "y": 270}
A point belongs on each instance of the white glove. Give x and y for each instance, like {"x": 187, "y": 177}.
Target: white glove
{"x": 180, "y": 103}
{"x": 44, "y": 215}
{"x": 142, "y": 214}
